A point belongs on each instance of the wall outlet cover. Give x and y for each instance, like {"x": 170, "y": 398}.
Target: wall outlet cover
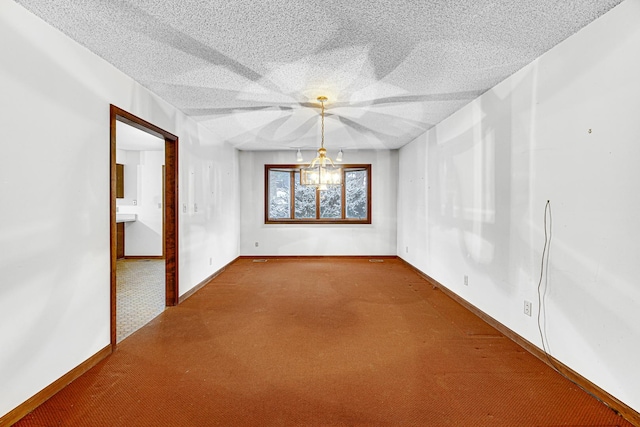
{"x": 527, "y": 308}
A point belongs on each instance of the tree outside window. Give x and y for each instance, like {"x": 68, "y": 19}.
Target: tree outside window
{"x": 287, "y": 201}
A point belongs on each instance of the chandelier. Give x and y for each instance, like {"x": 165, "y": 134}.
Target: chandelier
{"x": 321, "y": 172}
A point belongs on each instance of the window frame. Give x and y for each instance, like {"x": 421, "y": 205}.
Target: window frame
{"x": 296, "y": 168}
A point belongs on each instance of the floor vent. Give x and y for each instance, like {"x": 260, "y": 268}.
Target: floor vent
{"x": 376, "y": 260}
{"x": 259, "y": 260}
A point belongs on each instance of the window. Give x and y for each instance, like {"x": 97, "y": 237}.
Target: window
{"x": 286, "y": 201}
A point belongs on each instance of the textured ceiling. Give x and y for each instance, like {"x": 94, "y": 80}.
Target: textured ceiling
{"x": 251, "y": 70}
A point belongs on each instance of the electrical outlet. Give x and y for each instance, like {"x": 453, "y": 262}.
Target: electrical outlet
{"x": 184, "y": 208}
{"x": 406, "y": 249}
{"x": 527, "y": 308}
{"x": 466, "y": 280}
{"x": 195, "y": 207}
{"x": 135, "y": 203}
{"x": 210, "y": 260}
{"x": 256, "y": 244}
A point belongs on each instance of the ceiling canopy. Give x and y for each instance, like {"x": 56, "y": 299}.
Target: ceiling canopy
{"x": 251, "y": 71}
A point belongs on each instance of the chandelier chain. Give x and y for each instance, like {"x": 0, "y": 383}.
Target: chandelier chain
{"x": 322, "y": 130}
{"x": 321, "y": 172}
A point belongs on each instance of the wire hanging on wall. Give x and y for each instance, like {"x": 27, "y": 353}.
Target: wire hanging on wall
{"x": 544, "y": 277}
{"x": 542, "y": 292}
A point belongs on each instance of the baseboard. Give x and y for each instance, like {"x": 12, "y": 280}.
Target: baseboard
{"x": 205, "y": 282}
{"x": 612, "y": 402}
{"x": 143, "y": 257}
{"x": 317, "y": 256}
{"x": 38, "y": 399}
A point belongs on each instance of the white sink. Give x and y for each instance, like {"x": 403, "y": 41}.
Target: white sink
{"x": 126, "y": 217}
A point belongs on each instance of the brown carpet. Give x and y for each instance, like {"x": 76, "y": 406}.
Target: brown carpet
{"x": 320, "y": 342}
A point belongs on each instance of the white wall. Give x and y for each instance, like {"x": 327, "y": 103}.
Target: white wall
{"x": 377, "y": 238}
{"x": 143, "y": 237}
{"x": 210, "y": 218}
{"x": 472, "y": 194}
{"x": 54, "y": 187}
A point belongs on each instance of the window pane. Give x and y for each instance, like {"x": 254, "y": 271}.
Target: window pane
{"x": 279, "y": 194}
{"x": 330, "y": 203}
{"x": 287, "y": 201}
{"x": 305, "y": 199}
{"x": 356, "y": 194}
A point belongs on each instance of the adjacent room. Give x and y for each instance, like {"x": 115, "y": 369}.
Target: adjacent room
{"x": 333, "y": 213}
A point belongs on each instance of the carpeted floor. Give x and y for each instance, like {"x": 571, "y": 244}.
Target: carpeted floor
{"x": 320, "y": 342}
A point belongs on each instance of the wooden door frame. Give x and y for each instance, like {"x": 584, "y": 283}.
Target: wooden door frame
{"x": 170, "y": 244}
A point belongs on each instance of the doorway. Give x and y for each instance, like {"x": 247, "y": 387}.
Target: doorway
{"x": 169, "y": 220}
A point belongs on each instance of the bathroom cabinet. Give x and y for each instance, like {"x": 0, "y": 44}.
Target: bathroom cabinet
{"x": 119, "y": 181}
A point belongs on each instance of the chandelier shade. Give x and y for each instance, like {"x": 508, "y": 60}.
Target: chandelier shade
{"x": 321, "y": 172}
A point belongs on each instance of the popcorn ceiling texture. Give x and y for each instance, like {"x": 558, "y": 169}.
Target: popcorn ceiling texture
{"x": 251, "y": 71}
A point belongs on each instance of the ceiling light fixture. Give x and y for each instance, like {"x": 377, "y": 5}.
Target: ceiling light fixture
{"x": 321, "y": 172}
{"x": 299, "y": 156}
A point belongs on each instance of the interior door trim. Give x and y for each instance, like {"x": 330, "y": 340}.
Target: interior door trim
{"x": 170, "y": 208}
